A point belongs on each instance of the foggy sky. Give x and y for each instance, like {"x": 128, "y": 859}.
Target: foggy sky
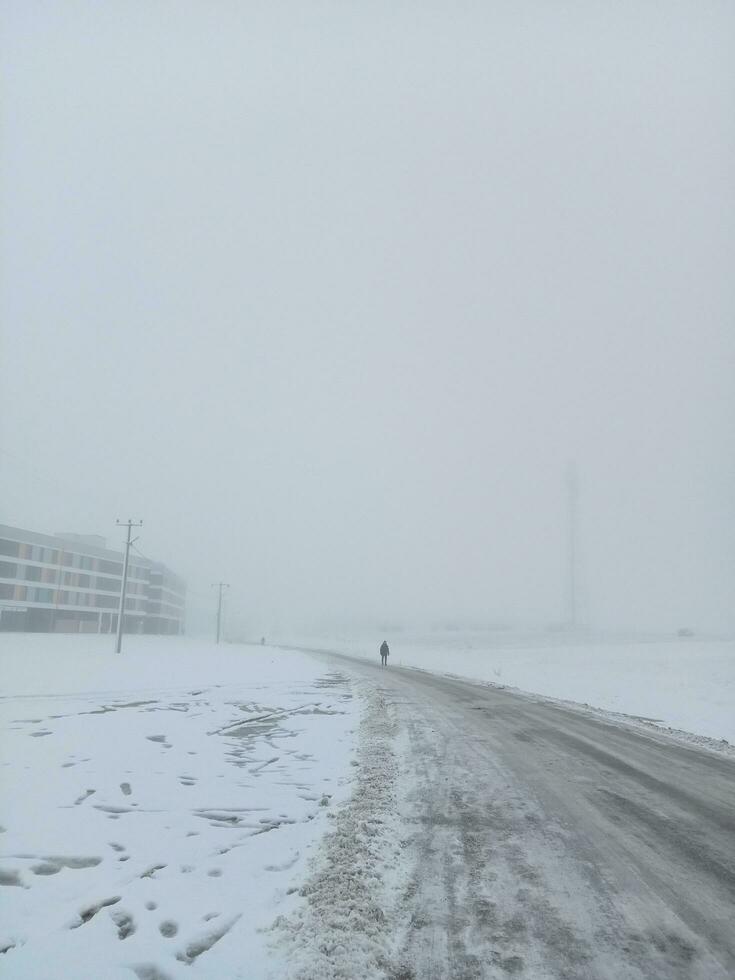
{"x": 330, "y": 293}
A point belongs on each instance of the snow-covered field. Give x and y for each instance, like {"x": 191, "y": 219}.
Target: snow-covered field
{"x": 156, "y": 807}
{"x": 686, "y": 684}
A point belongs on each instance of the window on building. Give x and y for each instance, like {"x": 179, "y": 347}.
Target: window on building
{"x": 32, "y": 573}
{"x": 109, "y": 567}
{"x": 105, "y": 602}
{"x": 11, "y": 548}
{"x": 8, "y": 569}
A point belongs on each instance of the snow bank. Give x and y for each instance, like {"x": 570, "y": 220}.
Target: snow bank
{"x": 342, "y": 929}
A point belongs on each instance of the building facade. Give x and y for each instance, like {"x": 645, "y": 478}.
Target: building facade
{"x": 70, "y": 583}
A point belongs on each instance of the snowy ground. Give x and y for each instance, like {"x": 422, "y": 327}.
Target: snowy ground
{"x": 157, "y": 807}
{"x": 685, "y": 684}
{"x": 188, "y": 811}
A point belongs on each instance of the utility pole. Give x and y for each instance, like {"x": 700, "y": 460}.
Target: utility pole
{"x": 220, "y": 586}
{"x": 572, "y": 497}
{"x": 121, "y": 614}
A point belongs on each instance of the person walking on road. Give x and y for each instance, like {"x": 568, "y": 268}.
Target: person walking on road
{"x": 384, "y": 651}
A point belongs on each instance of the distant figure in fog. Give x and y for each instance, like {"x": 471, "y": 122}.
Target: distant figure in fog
{"x": 384, "y": 651}
{"x": 262, "y": 641}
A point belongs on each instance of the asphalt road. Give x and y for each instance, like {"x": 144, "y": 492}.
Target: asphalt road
{"x": 547, "y": 843}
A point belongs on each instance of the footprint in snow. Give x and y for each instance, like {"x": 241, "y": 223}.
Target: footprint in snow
{"x": 90, "y": 911}
{"x": 11, "y": 878}
{"x": 150, "y": 872}
{"x": 149, "y": 971}
{"x": 205, "y": 942}
{"x": 285, "y": 865}
{"x": 52, "y": 865}
{"x": 45, "y": 868}
{"x": 124, "y": 922}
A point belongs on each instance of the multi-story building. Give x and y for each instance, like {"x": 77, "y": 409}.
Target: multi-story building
{"x": 69, "y": 583}
{"x": 165, "y": 595}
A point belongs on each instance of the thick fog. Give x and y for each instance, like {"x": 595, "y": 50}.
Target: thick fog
{"x": 332, "y": 295}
